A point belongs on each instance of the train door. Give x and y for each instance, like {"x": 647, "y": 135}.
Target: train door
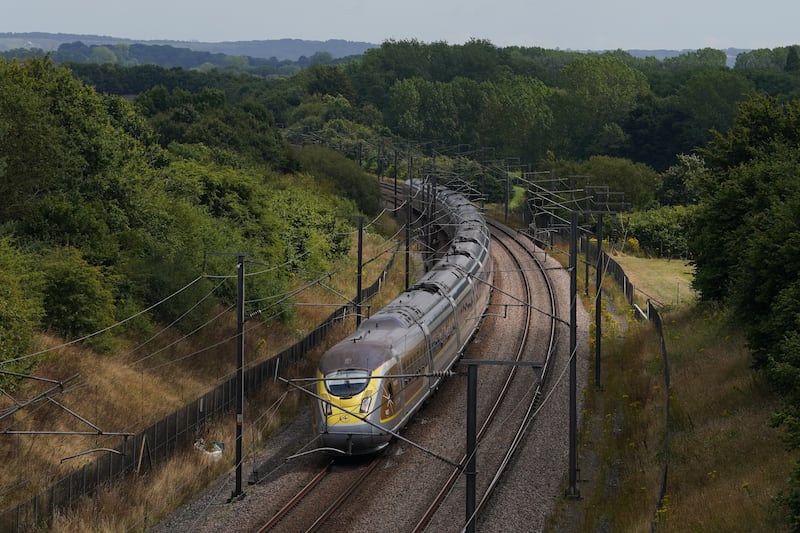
{"x": 415, "y": 363}
{"x": 391, "y": 395}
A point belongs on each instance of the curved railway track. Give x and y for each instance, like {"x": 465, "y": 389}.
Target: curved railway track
{"x": 505, "y": 442}
{"x": 544, "y": 373}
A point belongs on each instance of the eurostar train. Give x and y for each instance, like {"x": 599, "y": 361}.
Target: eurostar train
{"x": 371, "y": 383}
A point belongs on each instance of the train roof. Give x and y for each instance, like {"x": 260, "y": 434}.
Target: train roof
{"x": 376, "y": 338}
{"x": 355, "y": 353}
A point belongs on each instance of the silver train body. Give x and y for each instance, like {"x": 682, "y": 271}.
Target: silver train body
{"x": 371, "y": 383}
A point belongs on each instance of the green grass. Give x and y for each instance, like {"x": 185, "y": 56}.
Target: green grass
{"x": 664, "y": 281}
{"x": 518, "y": 197}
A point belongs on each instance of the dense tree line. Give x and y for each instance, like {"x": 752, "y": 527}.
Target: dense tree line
{"x": 523, "y": 102}
{"x": 745, "y": 239}
{"x": 167, "y": 56}
{"x": 99, "y": 219}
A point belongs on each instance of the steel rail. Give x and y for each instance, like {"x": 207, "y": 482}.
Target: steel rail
{"x": 530, "y": 413}
{"x": 343, "y": 495}
{"x": 456, "y": 472}
{"x": 294, "y": 500}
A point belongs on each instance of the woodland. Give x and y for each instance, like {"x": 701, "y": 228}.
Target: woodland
{"x": 117, "y": 180}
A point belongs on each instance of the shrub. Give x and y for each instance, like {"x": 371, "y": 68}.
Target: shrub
{"x": 657, "y": 232}
{"x": 342, "y": 175}
{"x": 20, "y": 308}
{"x": 78, "y": 297}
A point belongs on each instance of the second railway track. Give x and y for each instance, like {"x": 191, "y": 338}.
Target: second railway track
{"x": 511, "y": 413}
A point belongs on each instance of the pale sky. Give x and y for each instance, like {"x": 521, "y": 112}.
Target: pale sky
{"x": 565, "y": 24}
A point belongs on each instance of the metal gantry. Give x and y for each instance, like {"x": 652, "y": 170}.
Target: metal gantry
{"x": 562, "y": 203}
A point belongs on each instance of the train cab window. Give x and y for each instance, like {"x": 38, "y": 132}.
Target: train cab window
{"x": 346, "y": 383}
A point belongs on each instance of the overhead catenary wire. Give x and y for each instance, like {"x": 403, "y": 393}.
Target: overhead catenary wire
{"x": 184, "y": 337}
{"x": 108, "y": 328}
{"x": 286, "y": 296}
{"x": 270, "y": 268}
{"x": 280, "y": 298}
{"x": 173, "y": 323}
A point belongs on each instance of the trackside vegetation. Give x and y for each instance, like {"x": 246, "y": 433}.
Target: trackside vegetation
{"x": 725, "y": 466}
{"x": 121, "y": 183}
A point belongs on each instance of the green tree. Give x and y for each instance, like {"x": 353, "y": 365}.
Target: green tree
{"x": 637, "y": 181}
{"x": 102, "y": 54}
{"x": 245, "y": 127}
{"x": 20, "y": 306}
{"x": 759, "y": 59}
{"x": 702, "y": 58}
{"x": 58, "y": 136}
{"x": 479, "y": 60}
{"x": 516, "y": 117}
{"x": 403, "y": 109}
{"x": 34, "y": 145}
{"x": 78, "y": 298}
{"x": 437, "y": 110}
{"x": 761, "y": 120}
{"x": 792, "y": 60}
{"x": 330, "y": 80}
{"x": 653, "y": 130}
{"x": 680, "y": 183}
{"x": 341, "y": 174}
{"x": 597, "y": 94}
{"x": 661, "y": 232}
{"x": 707, "y": 101}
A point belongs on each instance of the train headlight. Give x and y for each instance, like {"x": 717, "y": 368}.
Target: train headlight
{"x": 365, "y": 404}
{"x": 327, "y": 409}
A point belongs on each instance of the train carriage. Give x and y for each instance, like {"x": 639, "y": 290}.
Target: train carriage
{"x": 372, "y": 382}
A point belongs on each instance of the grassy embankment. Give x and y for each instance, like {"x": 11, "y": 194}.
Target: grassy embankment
{"x": 726, "y": 465}
{"x": 117, "y": 394}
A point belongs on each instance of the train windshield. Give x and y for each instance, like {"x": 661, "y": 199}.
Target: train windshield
{"x": 345, "y": 383}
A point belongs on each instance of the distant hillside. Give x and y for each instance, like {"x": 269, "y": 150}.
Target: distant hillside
{"x": 281, "y": 49}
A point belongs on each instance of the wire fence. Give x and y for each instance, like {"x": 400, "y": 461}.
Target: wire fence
{"x": 655, "y": 318}
{"x": 651, "y": 313}
{"x": 176, "y": 431}
{"x": 611, "y": 268}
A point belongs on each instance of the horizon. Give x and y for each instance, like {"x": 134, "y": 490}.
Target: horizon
{"x": 95, "y": 36}
{"x": 570, "y": 25}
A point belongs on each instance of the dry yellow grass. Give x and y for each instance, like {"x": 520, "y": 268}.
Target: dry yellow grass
{"x": 118, "y": 396}
{"x": 727, "y": 464}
